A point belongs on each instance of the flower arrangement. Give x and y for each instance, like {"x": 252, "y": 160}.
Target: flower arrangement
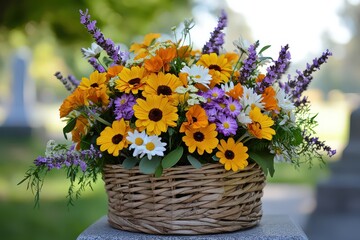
{"x": 163, "y": 104}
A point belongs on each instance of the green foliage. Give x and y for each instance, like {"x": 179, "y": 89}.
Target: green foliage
{"x": 149, "y": 166}
{"x": 172, "y": 157}
{"x": 265, "y": 160}
{"x": 194, "y": 162}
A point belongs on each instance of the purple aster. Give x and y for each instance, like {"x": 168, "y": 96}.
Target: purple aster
{"x": 214, "y": 94}
{"x": 217, "y": 36}
{"x": 211, "y": 111}
{"x": 275, "y": 71}
{"x": 124, "y": 107}
{"x": 232, "y": 107}
{"x": 227, "y": 126}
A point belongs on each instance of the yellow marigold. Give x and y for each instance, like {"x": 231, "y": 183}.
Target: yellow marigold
{"x": 261, "y": 125}
{"x": 201, "y": 139}
{"x": 232, "y": 155}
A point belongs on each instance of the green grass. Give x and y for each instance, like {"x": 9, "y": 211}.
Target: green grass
{"x": 54, "y": 219}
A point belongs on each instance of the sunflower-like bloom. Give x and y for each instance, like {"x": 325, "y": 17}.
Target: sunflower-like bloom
{"x": 155, "y": 114}
{"x": 163, "y": 85}
{"x": 131, "y": 80}
{"x": 96, "y": 88}
{"x": 113, "y": 139}
{"x": 201, "y": 139}
{"x": 261, "y": 125}
{"x": 196, "y": 118}
{"x": 148, "y": 40}
{"x": 233, "y": 155}
{"x": 219, "y": 66}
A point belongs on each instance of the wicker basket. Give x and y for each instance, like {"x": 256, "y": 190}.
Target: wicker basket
{"x": 184, "y": 200}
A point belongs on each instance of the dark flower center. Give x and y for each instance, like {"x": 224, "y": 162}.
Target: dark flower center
{"x": 94, "y": 85}
{"x": 215, "y": 67}
{"x": 199, "y": 136}
{"x": 155, "y": 114}
{"x": 194, "y": 119}
{"x": 164, "y": 90}
{"x": 229, "y": 154}
{"x": 134, "y": 81}
{"x": 117, "y": 138}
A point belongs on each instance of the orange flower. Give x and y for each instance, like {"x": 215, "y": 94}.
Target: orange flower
{"x": 236, "y": 92}
{"x": 154, "y": 64}
{"x": 269, "y": 99}
{"x": 75, "y": 100}
{"x": 260, "y": 77}
{"x": 80, "y": 130}
{"x": 96, "y": 88}
{"x": 196, "y": 118}
{"x": 113, "y": 71}
{"x": 148, "y": 40}
{"x": 261, "y": 125}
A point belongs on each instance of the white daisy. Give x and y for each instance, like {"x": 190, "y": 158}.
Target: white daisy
{"x": 227, "y": 87}
{"x": 93, "y": 51}
{"x": 197, "y": 74}
{"x": 284, "y": 100}
{"x": 250, "y": 99}
{"x": 138, "y": 140}
{"x": 244, "y": 118}
{"x": 153, "y": 146}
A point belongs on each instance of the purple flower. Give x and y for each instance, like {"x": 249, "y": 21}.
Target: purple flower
{"x": 93, "y": 61}
{"x": 124, "y": 106}
{"x": 227, "y": 126}
{"x": 213, "y": 94}
{"x": 297, "y": 86}
{"x": 275, "y": 71}
{"x": 67, "y": 82}
{"x": 315, "y": 144}
{"x": 217, "y": 36}
{"x": 70, "y": 157}
{"x": 107, "y": 44}
{"x": 249, "y": 64}
{"x": 232, "y": 107}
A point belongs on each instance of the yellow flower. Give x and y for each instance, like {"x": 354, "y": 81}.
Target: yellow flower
{"x": 219, "y": 64}
{"x": 202, "y": 139}
{"x": 75, "y": 100}
{"x": 96, "y": 88}
{"x": 113, "y": 139}
{"x": 232, "y": 155}
{"x": 131, "y": 80}
{"x": 155, "y": 114}
{"x": 148, "y": 40}
{"x": 163, "y": 85}
{"x": 261, "y": 125}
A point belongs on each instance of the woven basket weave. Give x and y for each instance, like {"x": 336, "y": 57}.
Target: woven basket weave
{"x": 184, "y": 200}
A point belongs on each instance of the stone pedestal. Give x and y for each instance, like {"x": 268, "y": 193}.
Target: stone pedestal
{"x": 275, "y": 227}
{"x": 337, "y": 215}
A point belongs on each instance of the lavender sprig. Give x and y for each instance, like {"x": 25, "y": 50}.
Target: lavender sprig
{"x": 71, "y": 157}
{"x": 297, "y": 86}
{"x": 217, "y": 36}
{"x": 108, "y": 45}
{"x": 249, "y": 64}
{"x": 317, "y": 145}
{"x": 275, "y": 71}
{"x": 93, "y": 61}
{"x": 70, "y": 85}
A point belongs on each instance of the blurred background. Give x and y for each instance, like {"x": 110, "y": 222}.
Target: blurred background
{"x": 39, "y": 38}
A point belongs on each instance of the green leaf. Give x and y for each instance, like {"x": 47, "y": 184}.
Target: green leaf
{"x": 215, "y": 158}
{"x": 148, "y": 166}
{"x": 172, "y": 158}
{"x": 69, "y": 126}
{"x": 265, "y": 160}
{"x": 130, "y": 162}
{"x": 159, "y": 171}
{"x": 194, "y": 162}
{"x": 264, "y": 48}
{"x": 298, "y": 138}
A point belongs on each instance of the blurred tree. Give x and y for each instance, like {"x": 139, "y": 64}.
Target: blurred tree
{"x": 123, "y": 19}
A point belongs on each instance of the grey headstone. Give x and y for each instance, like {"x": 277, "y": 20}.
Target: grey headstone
{"x": 337, "y": 215}
{"x": 274, "y": 227}
{"x": 22, "y": 95}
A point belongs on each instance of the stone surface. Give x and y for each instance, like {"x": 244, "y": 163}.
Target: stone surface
{"x": 275, "y": 227}
{"x": 337, "y": 215}
{"x": 22, "y": 97}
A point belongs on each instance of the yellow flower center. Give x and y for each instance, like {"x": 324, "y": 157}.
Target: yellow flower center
{"x": 150, "y": 146}
{"x": 139, "y": 141}
{"x": 232, "y": 107}
{"x": 222, "y": 105}
{"x": 197, "y": 76}
{"x": 215, "y": 94}
{"x": 226, "y": 125}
